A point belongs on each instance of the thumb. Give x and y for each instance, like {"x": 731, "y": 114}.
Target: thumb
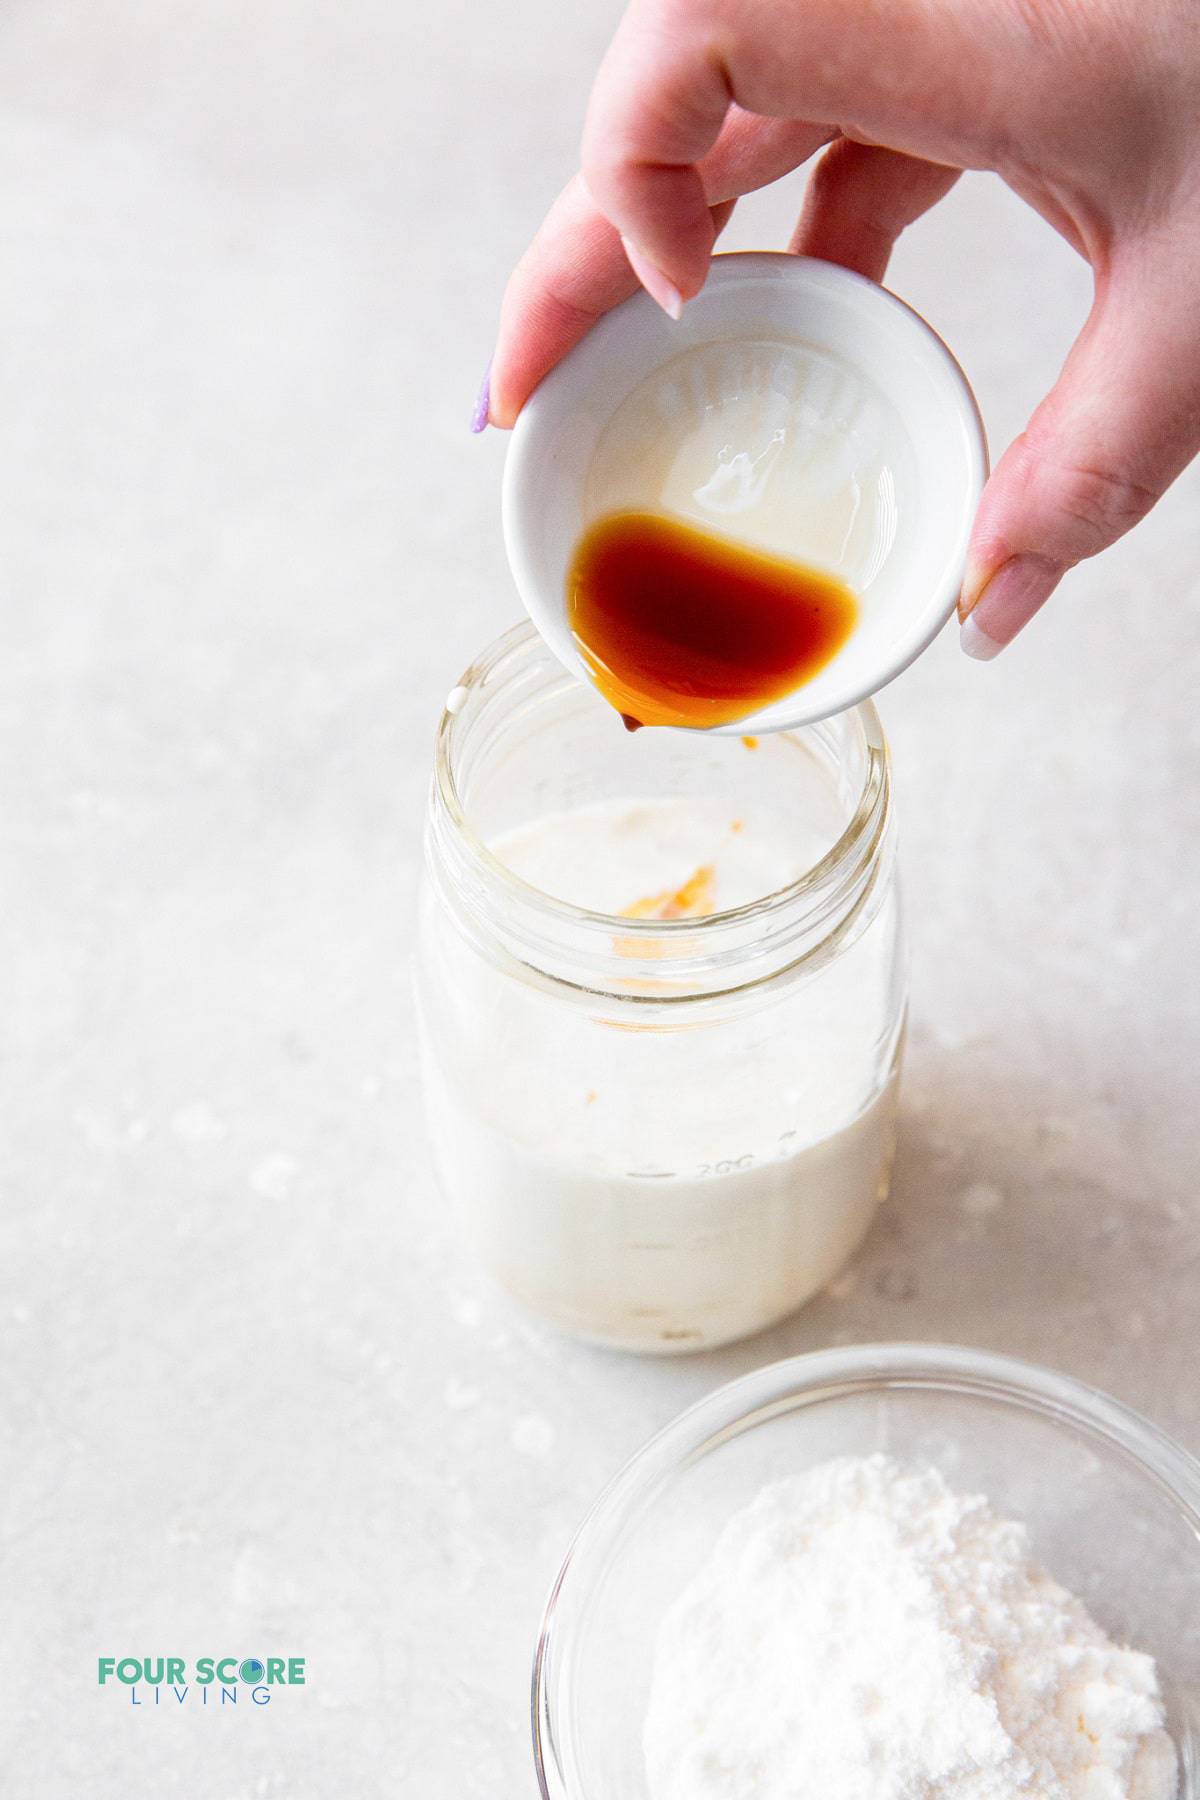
{"x": 1119, "y": 425}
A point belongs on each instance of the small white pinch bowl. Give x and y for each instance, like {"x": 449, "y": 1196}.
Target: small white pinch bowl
{"x": 823, "y": 312}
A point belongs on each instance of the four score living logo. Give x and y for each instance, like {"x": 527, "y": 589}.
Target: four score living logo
{"x": 210, "y": 1681}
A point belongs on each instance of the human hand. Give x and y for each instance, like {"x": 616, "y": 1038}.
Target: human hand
{"x": 1089, "y": 109}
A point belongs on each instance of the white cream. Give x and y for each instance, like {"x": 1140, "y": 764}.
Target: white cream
{"x": 663, "y": 1188}
{"x": 610, "y": 856}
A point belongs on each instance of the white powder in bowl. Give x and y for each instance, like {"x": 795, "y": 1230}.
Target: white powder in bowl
{"x": 862, "y": 1632}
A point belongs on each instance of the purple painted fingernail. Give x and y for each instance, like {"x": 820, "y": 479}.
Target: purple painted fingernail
{"x": 479, "y": 418}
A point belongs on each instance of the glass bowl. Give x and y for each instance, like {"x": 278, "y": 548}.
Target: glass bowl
{"x": 1112, "y": 1506}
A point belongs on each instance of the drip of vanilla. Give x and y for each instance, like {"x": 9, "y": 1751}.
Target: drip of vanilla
{"x": 693, "y": 900}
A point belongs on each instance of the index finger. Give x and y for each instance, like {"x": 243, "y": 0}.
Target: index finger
{"x": 657, "y": 107}
{"x": 576, "y": 268}
{"x": 934, "y": 82}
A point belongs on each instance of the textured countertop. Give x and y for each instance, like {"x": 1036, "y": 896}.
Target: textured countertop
{"x": 254, "y": 1401}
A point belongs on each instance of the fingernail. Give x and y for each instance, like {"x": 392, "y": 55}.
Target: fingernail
{"x": 483, "y": 402}
{"x": 656, "y": 284}
{"x": 996, "y": 607}
{"x": 977, "y": 643}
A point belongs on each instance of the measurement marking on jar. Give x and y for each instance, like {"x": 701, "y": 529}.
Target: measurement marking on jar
{"x": 728, "y": 1165}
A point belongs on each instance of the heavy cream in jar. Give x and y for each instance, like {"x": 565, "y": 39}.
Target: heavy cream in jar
{"x": 662, "y": 1022}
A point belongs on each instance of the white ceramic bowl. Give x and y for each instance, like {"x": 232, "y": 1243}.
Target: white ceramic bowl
{"x": 1112, "y": 1506}
{"x": 826, "y": 311}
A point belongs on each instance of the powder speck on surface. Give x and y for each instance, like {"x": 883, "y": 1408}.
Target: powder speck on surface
{"x": 862, "y": 1632}
{"x": 272, "y": 1178}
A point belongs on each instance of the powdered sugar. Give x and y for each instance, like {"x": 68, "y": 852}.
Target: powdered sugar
{"x": 862, "y": 1632}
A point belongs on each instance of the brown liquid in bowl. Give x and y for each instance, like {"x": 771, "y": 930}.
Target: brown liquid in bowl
{"x": 679, "y": 627}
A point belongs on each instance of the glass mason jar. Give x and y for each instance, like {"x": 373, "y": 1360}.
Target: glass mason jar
{"x": 659, "y": 1132}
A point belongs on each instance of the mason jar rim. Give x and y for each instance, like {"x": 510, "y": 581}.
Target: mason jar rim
{"x": 830, "y": 884}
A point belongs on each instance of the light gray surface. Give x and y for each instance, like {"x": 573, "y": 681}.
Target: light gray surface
{"x": 255, "y": 1403}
